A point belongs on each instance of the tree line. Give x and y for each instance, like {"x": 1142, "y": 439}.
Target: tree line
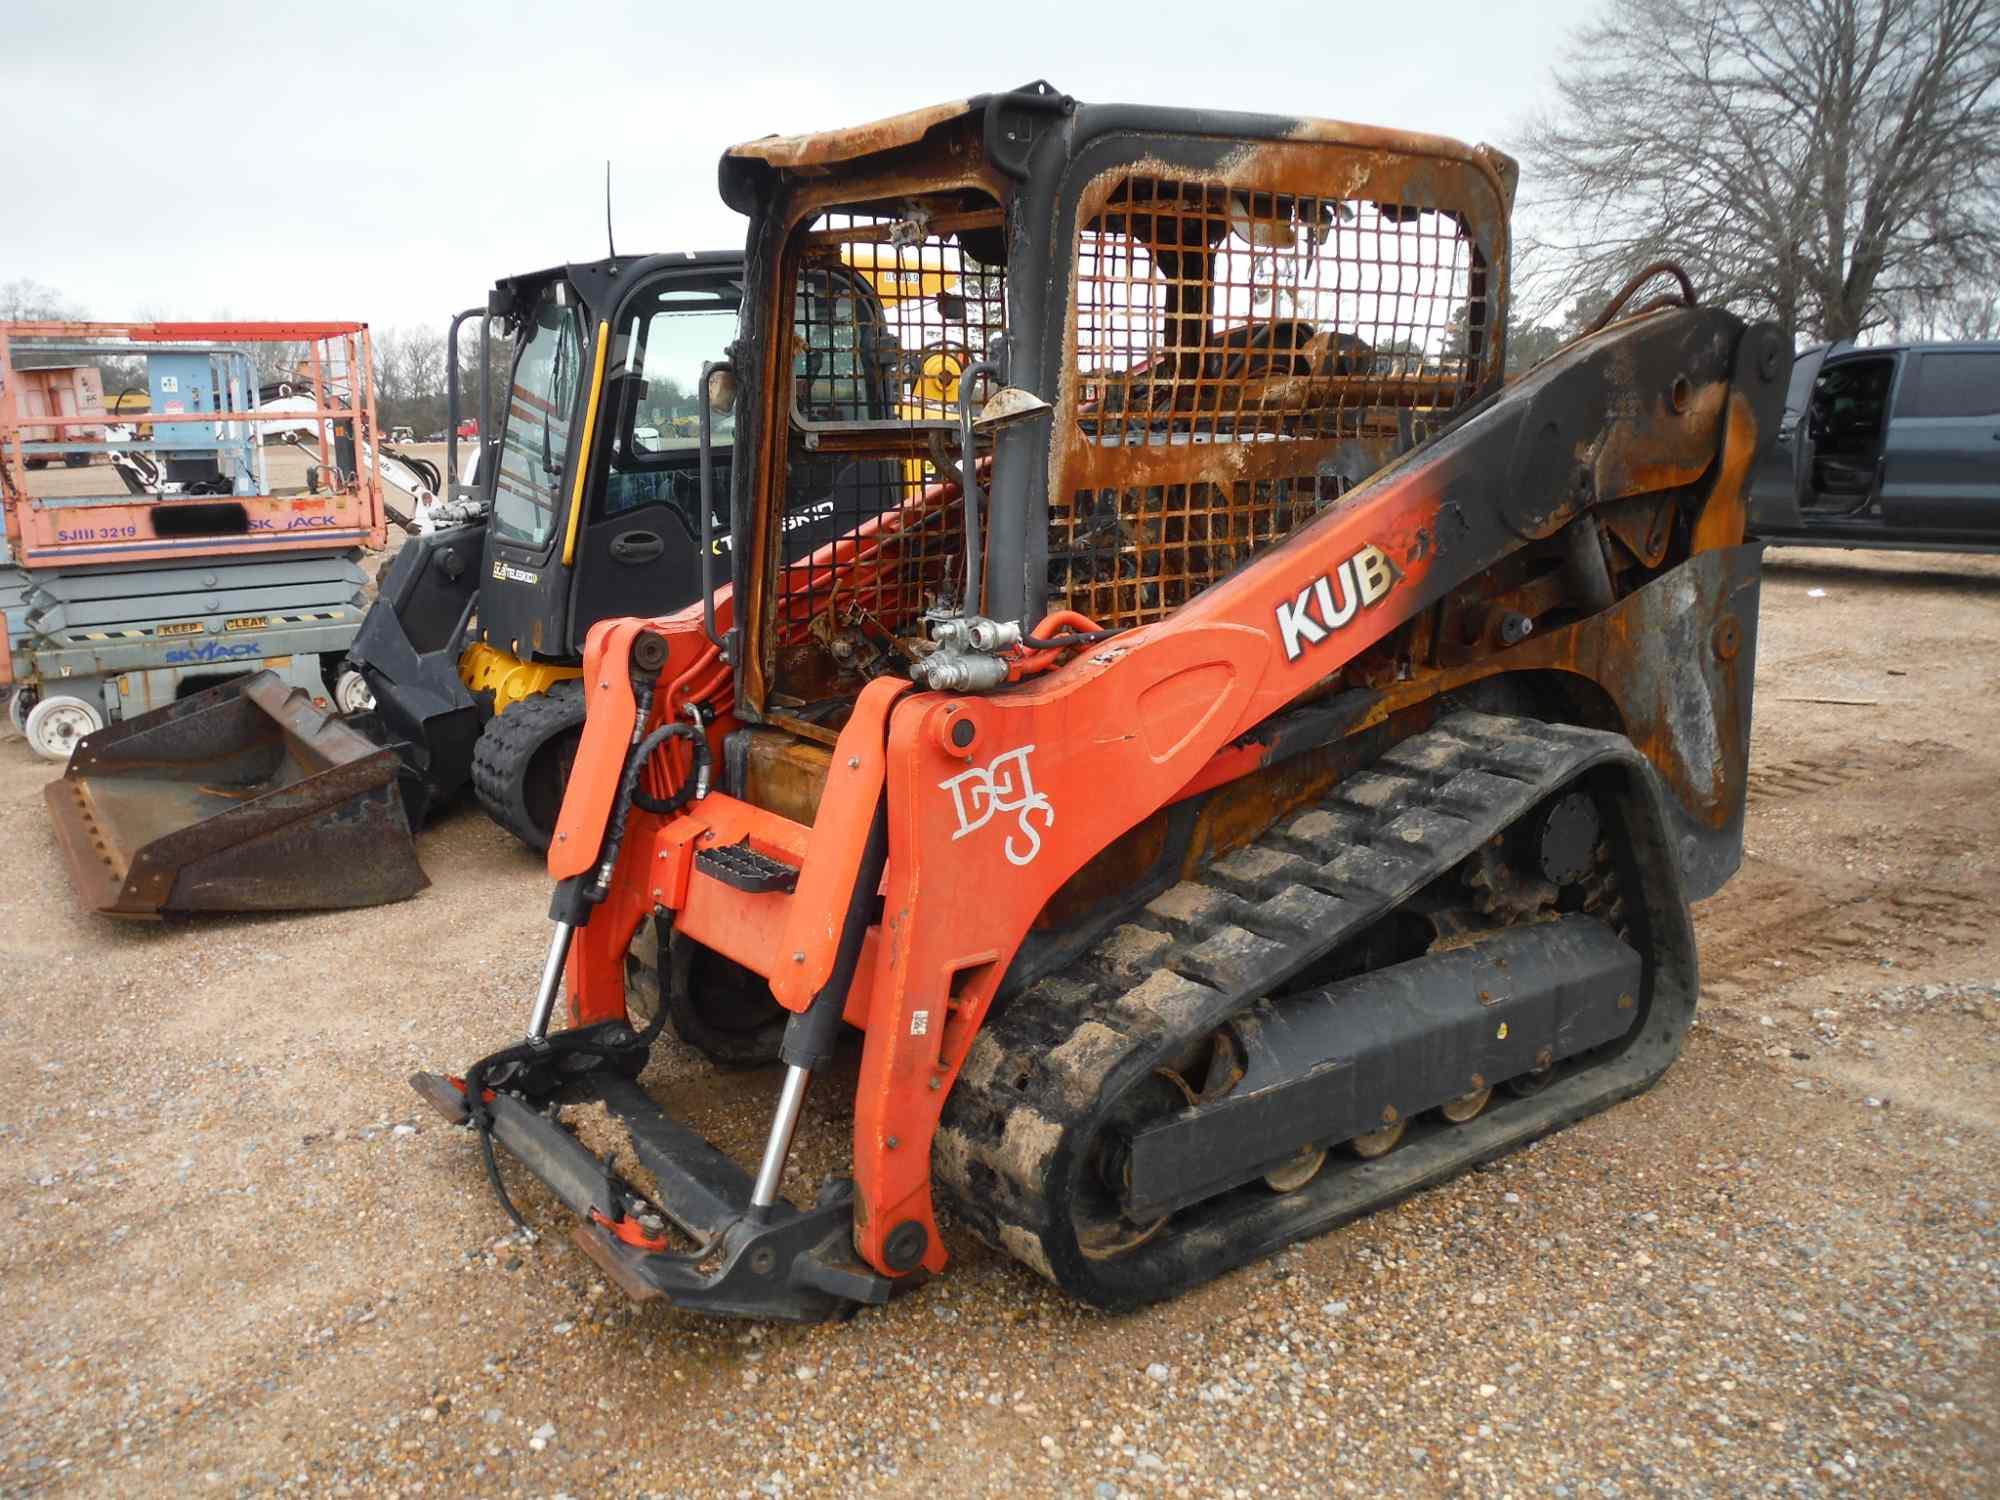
{"x": 410, "y": 363}
{"x": 1830, "y": 165}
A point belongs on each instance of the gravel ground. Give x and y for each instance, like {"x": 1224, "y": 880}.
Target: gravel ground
{"x": 239, "y": 1258}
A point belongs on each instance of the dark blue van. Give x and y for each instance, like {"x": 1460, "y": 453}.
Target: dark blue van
{"x": 1893, "y": 446}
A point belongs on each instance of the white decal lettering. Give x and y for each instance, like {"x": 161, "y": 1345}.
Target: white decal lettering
{"x": 1005, "y": 785}
{"x": 1363, "y": 580}
{"x": 1372, "y": 573}
{"x": 1335, "y": 618}
{"x": 1296, "y": 627}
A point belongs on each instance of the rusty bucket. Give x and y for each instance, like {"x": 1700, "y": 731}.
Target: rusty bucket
{"x": 245, "y": 797}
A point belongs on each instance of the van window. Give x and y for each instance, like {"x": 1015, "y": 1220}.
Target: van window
{"x": 1956, "y": 385}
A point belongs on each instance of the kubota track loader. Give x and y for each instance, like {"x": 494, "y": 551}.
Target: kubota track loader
{"x": 1262, "y": 770}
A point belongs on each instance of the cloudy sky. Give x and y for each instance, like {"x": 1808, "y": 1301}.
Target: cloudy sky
{"x": 387, "y": 161}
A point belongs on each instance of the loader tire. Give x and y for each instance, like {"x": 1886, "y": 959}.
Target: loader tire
{"x": 723, "y": 1010}
{"x": 522, "y": 762}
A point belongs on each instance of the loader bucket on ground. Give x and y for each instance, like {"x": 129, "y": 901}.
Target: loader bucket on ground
{"x": 245, "y": 797}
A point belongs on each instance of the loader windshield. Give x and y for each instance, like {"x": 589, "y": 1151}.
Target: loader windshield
{"x": 541, "y": 400}
{"x": 665, "y": 340}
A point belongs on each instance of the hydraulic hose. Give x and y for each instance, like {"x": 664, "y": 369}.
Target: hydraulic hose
{"x": 631, "y": 794}
{"x": 1058, "y": 631}
{"x": 1624, "y": 294}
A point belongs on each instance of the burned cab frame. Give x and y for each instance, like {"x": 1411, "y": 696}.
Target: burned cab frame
{"x": 1225, "y": 723}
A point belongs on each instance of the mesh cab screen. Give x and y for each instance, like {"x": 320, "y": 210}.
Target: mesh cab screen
{"x": 1241, "y": 359}
{"x": 887, "y": 313}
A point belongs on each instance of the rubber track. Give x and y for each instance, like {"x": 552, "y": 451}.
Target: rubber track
{"x": 506, "y": 745}
{"x": 1018, "y": 1125}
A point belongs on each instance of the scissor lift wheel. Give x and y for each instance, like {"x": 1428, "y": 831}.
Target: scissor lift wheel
{"x": 55, "y": 724}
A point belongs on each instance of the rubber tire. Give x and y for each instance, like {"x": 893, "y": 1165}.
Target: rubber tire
{"x": 352, "y": 694}
{"x": 513, "y": 775}
{"x": 19, "y": 702}
{"x": 723, "y": 1010}
{"x": 49, "y": 708}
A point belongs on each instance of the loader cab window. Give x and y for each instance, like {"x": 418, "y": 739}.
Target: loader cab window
{"x": 891, "y": 302}
{"x": 685, "y": 330}
{"x": 834, "y": 327}
{"x": 541, "y": 400}
{"x": 1207, "y": 317}
{"x": 655, "y": 382}
{"x": 1210, "y": 314}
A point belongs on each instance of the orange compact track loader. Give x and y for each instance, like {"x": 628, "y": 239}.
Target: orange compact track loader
{"x": 1256, "y": 764}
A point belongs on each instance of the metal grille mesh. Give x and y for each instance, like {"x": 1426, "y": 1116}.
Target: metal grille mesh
{"x": 1128, "y": 556}
{"x": 1206, "y": 316}
{"x": 888, "y": 365}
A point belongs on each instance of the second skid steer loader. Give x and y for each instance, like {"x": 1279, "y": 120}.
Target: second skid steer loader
{"x": 464, "y": 672}
{"x": 1260, "y": 770}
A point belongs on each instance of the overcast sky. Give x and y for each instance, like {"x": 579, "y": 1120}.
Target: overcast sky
{"x": 388, "y": 161}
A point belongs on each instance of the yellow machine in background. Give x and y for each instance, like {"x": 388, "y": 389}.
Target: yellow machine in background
{"x": 488, "y": 669}
{"x": 917, "y": 288}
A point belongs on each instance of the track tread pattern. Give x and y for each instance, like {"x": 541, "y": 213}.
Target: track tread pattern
{"x": 1210, "y": 946}
{"x": 506, "y": 746}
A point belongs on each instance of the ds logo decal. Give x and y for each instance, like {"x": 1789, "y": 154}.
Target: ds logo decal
{"x": 506, "y": 572}
{"x": 1003, "y": 785}
{"x": 1359, "y": 582}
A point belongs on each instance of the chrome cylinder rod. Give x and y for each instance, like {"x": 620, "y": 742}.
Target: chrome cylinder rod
{"x": 771, "y": 1171}
{"x": 552, "y": 975}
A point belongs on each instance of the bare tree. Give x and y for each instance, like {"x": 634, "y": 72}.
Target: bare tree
{"x": 410, "y": 378}
{"x": 421, "y": 352}
{"x": 1824, "y": 163}
{"x": 1971, "y": 312}
{"x": 27, "y": 300}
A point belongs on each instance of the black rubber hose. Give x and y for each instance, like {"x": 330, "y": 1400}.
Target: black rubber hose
{"x": 697, "y": 774}
{"x": 1072, "y": 638}
{"x": 1639, "y": 279}
{"x": 621, "y": 806}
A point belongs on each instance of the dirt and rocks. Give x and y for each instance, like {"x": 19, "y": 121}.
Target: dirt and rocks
{"x": 239, "y": 1257}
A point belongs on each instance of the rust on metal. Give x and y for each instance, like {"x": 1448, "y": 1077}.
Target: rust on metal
{"x": 822, "y": 148}
{"x": 1297, "y": 293}
{"x": 242, "y": 798}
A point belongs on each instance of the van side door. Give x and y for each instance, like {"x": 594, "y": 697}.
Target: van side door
{"x": 1774, "y": 488}
{"x": 1941, "y": 470}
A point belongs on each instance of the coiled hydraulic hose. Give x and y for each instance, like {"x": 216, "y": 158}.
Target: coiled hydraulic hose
{"x": 691, "y": 786}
